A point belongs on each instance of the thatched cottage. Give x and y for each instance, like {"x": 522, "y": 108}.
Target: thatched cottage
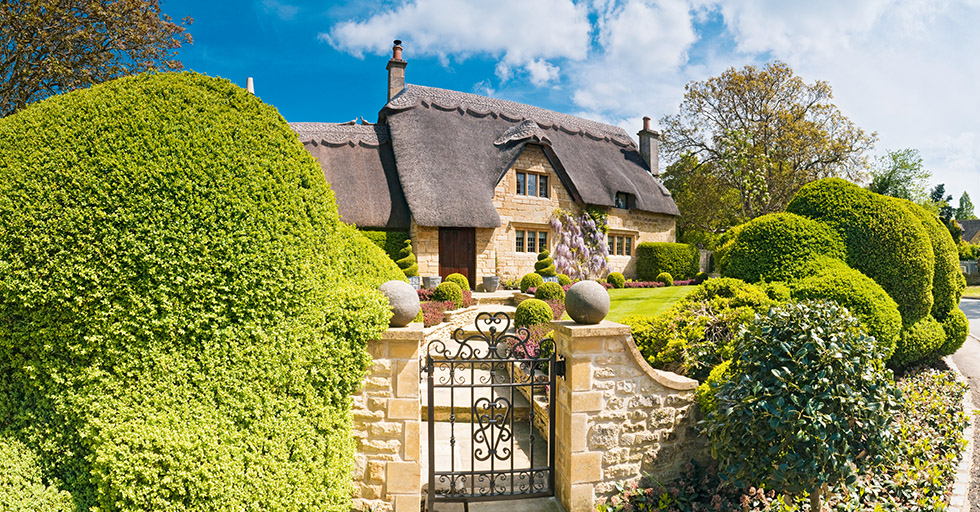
{"x": 475, "y": 180}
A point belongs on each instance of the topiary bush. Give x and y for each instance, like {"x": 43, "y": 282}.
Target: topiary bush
{"x": 862, "y": 297}
{"x": 545, "y": 266}
{"x": 884, "y": 240}
{"x": 919, "y": 342}
{"x": 782, "y": 422}
{"x": 173, "y": 265}
{"x": 448, "y": 291}
{"x": 531, "y": 280}
{"x": 947, "y": 280}
{"x": 680, "y": 260}
{"x": 700, "y": 277}
{"x": 957, "y": 327}
{"x": 532, "y": 312}
{"x": 616, "y": 280}
{"x": 459, "y": 279}
{"x": 406, "y": 260}
{"x": 391, "y": 242}
{"x": 779, "y": 247}
{"x": 564, "y": 280}
{"x": 550, "y": 291}
{"x": 665, "y": 278}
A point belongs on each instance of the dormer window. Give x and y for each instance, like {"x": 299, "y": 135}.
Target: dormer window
{"x": 623, "y": 200}
{"x": 530, "y": 184}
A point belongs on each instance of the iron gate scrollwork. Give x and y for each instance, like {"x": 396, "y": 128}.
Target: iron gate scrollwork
{"x": 482, "y": 393}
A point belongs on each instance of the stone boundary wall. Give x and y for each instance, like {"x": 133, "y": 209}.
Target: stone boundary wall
{"x": 617, "y": 418}
{"x": 451, "y": 321}
{"x": 388, "y": 425}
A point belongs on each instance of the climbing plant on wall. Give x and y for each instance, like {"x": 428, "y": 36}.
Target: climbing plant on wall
{"x": 580, "y": 245}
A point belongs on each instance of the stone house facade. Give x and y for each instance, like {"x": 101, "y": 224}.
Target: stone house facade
{"x": 475, "y": 181}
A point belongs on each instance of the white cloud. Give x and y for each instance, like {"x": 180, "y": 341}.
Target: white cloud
{"x": 523, "y": 34}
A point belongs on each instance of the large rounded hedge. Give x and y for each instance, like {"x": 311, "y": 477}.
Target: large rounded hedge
{"x": 863, "y": 297}
{"x": 779, "y": 247}
{"x": 884, "y": 240}
{"x": 947, "y": 280}
{"x": 182, "y": 314}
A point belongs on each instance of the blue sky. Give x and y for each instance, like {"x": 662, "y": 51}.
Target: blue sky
{"x": 906, "y": 69}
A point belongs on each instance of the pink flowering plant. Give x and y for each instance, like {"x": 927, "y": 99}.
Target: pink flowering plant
{"x": 580, "y": 245}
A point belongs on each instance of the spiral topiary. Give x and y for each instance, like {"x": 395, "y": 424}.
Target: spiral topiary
{"x": 448, "y": 292}
{"x": 550, "y": 291}
{"x": 545, "y": 266}
{"x": 564, "y": 280}
{"x": 459, "y": 279}
{"x": 531, "y": 280}
{"x": 616, "y": 280}
{"x": 665, "y": 278}
{"x": 406, "y": 260}
{"x": 532, "y": 312}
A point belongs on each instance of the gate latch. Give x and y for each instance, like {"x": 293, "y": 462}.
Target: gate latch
{"x": 560, "y": 367}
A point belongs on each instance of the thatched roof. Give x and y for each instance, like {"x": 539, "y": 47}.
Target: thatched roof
{"x": 452, "y": 148}
{"x": 358, "y": 162}
{"x": 970, "y": 229}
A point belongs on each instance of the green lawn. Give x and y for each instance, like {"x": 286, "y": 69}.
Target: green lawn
{"x": 972, "y": 291}
{"x": 644, "y": 301}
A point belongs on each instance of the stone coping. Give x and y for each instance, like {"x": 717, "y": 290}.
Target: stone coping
{"x": 959, "y": 499}
{"x": 412, "y": 331}
{"x": 606, "y": 328}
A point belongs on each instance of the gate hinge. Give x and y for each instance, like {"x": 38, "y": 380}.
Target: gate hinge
{"x": 560, "y": 368}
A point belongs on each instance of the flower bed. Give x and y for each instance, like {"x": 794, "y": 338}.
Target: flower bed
{"x": 929, "y": 434}
{"x": 433, "y": 310}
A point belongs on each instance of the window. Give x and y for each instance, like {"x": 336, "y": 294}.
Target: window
{"x": 532, "y": 184}
{"x": 620, "y": 245}
{"x": 622, "y": 200}
{"x": 531, "y": 241}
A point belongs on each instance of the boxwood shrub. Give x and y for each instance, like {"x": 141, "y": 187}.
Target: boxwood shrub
{"x": 616, "y": 279}
{"x": 531, "y": 280}
{"x": 531, "y": 312}
{"x": 665, "y": 278}
{"x": 779, "y": 247}
{"x": 947, "y": 280}
{"x": 459, "y": 279}
{"x": 863, "y": 298}
{"x": 884, "y": 240}
{"x": 679, "y": 260}
{"x": 173, "y": 268}
{"x": 448, "y": 291}
{"x": 918, "y": 342}
{"x": 391, "y": 242}
{"x": 550, "y": 291}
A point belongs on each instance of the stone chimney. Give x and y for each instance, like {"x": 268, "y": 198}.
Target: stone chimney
{"x": 396, "y": 71}
{"x": 250, "y": 86}
{"x": 649, "y": 146}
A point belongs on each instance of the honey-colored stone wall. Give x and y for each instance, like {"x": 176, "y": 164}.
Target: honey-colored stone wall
{"x": 388, "y": 426}
{"x": 617, "y": 417}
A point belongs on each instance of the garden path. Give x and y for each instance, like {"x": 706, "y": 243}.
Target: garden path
{"x": 967, "y": 359}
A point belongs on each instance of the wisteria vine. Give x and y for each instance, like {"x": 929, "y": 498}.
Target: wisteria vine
{"x": 580, "y": 245}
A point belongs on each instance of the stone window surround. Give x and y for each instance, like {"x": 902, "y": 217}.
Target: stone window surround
{"x": 633, "y": 235}
{"x": 540, "y": 175}
{"x": 534, "y": 228}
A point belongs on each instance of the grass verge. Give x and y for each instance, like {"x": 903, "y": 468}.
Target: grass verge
{"x": 644, "y": 301}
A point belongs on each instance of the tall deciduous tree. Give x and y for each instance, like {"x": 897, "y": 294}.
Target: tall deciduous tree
{"x": 900, "y": 174}
{"x": 707, "y": 204}
{"x": 54, "y": 46}
{"x": 765, "y": 133}
{"x": 965, "y": 209}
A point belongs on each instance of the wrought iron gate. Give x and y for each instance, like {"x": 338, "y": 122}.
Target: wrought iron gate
{"x": 490, "y": 437}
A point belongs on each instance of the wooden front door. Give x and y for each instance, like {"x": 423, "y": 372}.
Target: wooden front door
{"x": 457, "y": 253}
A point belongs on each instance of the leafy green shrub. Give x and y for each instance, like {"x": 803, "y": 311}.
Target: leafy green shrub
{"x": 862, "y": 297}
{"x": 459, "y": 279}
{"x": 966, "y": 250}
{"x": 616, "y": 280}
{"x": 448, "y": 292}
{"x": 22, "y": 482}
{"x": 531, "y": 312}
{"x": 665, "y": 278}
{"x": 550, "y": 291}
{"x": 705, "y": 393}
{"x": 531, "y": 280}
{"x": 957, "y": 327}
{"x": 173, "y": 264}
{"x": 545, "y": 266}
{"x": 406, "y": 260}
{"x": 700, "y": 277}
{"x": 391, "y": 242}
{"x": 809, "y": 400}
{"x": 779, "y": 247}
{"x": 884, "y": 240}
{"x": 679, "y": 260}
{"x": 697, "y": 333}
{"x": 947, "y": 280}
{"x": 564, "y": 280}
{"x": 776, "y": 290}
{"x": 919, "y": 342}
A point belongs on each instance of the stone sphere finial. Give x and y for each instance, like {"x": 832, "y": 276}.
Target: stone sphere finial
{"x": 404, "y": 302}
{"x": 587, "y": 302}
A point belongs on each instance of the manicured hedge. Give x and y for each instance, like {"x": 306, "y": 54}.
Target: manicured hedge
{"x": 391, "y": 242}
{"x": 862, "y": 297}
{"x": 532, "y": 312}
{"x": 947, "y": 280}
{"x": 918, "y": 342}
{"x": 884, "y": 240}
{"x": 679, "y": 260}
{"x": 173, "y": 269}
{"x": 779, "y": 247}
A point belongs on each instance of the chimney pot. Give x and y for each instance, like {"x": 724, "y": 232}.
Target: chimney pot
{"x": 250, "y": 86}
{"x": 396, "y": 71}
{"x": 396, "y": 51}
{"x": 646, "y": 123}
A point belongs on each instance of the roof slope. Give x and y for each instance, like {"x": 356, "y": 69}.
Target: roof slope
{"x": 451, "y": 149}
{"x": 358, "y": 162}
{"x": 970, "y": 229}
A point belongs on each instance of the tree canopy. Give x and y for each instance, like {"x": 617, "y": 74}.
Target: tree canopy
{"x": 765, "y": 133}
{"x": 51, "y": 46}
{"x": 900, "y": 174}
{"x": 965, "y": 209}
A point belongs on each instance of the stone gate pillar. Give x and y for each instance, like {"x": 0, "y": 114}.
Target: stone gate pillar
{"x": 617, "y": 418}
